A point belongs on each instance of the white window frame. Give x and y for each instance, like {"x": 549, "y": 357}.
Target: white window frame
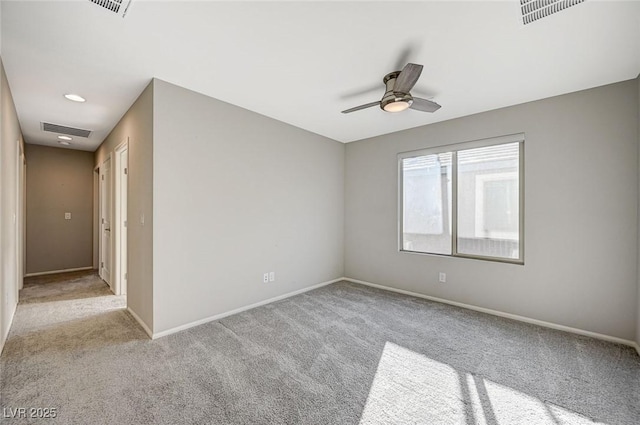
{"x": 454, "y": 148}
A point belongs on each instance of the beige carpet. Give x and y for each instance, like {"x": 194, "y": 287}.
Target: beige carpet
{"x": 342, "y": 354}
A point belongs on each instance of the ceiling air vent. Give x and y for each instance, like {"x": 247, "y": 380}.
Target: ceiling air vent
{"x": 119, "y": 7}
{"x": 532, "y": 10}
{"x": 61, "y": 129}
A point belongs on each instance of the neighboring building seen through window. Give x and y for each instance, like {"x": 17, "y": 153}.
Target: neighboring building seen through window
{"x": 464, "y": 200}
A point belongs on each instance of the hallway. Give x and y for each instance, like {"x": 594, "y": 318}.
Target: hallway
{"x": 65, "y": 325}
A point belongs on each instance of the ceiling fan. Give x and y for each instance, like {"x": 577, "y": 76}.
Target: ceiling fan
{"x": 397, "y": 97}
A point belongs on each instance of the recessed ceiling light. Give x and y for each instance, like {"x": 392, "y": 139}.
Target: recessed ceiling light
{"x": 75, "y": 97}
{"x": 62, "y": 142}
{"x": 64, "y": 138}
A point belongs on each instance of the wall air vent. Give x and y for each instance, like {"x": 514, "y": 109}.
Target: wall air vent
{"x": 119, "y": 7}
{"x": 532, "y": 10}
{"x": 61, "y": 129}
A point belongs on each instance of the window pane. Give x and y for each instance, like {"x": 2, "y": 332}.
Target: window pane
{"x": 427, "y": 203}
{"x": 488, "y": 201}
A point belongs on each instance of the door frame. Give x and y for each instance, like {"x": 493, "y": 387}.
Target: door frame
{"x": 101, "y": 223}
{"x": 97, "y": 214}
{"x": 20, "y": 216}
{"x": 118, "y": 224}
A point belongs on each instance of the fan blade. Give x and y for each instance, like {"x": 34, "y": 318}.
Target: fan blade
{"x": 407, "y": 78}
{"x": 360, "y": 92}
{"x": 404, "y": 57}
{"x": 365, "y": 106}
{"x": 424, "y": 105}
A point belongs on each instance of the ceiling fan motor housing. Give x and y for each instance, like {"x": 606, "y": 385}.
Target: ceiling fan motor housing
{"x": 391, "y": 96}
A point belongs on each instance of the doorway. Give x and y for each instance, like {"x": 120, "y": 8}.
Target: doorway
{"x": 19, "y": 221}
{"x": 120, "y": 222}
{"x": 105, "y": 221}
{"x": 112, "y": 223}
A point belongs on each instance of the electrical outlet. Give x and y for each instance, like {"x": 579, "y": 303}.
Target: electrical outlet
{"x": 272, "y": 276}
{"x": 443, "y": 277}
{"x": 67, "y": 216}
{"x": 265, "y": 278}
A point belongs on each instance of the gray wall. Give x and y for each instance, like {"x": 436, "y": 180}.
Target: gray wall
{"x": 136, "y": 126}
{"x": 58, "y": 181}
{"x": 237, "y": 194}
{"x": 581, "y": 202}
{"x": 10, "y": 211}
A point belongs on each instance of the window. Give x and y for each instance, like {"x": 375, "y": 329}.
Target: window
{"x": 464, "y": 200}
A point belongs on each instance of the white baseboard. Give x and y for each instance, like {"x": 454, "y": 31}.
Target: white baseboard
{"x": 141, "y": 322}
{"x": 637, "y": 347}
{"x": 5, "y": 334}
{"x": 241, "y": 309}
{"x": 505, "y": 315}
{"x": 77, "y": 269}
{"x": 3, "y": 339}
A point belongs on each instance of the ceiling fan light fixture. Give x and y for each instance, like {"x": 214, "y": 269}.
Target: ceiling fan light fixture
{"x": 397, "y": 106}
{"x": 75, "y": 97}
{"x": 396, "y": 102}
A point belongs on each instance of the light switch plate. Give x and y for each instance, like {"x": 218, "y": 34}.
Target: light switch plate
{"x": 67, "y": 216}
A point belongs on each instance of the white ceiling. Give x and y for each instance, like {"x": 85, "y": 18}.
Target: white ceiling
{"x": 303, "y": 62}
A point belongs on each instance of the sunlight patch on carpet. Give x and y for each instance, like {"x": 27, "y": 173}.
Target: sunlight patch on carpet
{"x": 510, "y": 406}
{"x": 410, "y": 388}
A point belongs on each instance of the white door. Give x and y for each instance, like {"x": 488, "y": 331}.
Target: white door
{"x": 122, "y": 194}
{"x": 105, "y": 221}
{"x": 20, "y": 211}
